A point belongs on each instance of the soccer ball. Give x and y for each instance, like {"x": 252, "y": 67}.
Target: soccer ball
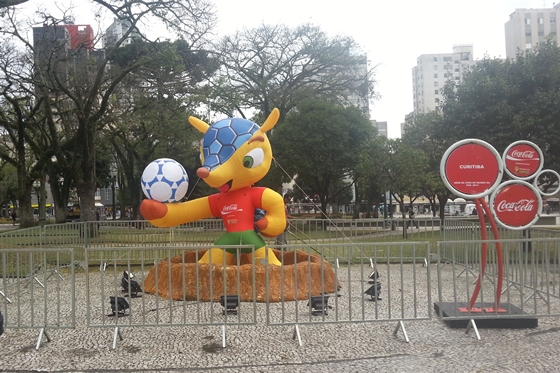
{"x": 165, "y": 180}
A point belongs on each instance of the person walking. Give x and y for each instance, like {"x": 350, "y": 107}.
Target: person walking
{"x": 281, "y": 238}
{"x": 411, "y": 216}
{"x": 14, "y": 217}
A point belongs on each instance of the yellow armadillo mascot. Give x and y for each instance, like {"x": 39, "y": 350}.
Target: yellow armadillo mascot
{"x": 235, "y": 154}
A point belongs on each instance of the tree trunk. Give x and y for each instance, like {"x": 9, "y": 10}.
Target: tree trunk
{"x": 59, "y": 213}
{"x": 87, "y": 202}
{"x": 26, "y": 219}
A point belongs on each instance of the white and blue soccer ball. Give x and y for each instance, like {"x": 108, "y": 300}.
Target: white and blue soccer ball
{"x": 165, "y": 180}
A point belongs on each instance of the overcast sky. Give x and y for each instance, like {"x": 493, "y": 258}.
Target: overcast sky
{"x": 392, "y": 33}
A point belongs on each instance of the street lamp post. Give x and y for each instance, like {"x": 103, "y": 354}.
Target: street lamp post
{"x": 113, "y": 191}
{"x": 39, "y": 187}
{"x": 36, "y": 187}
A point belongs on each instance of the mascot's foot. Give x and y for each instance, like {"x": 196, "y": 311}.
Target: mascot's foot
{"x": 217, "y": 257}
{"x": 261, "y": 254}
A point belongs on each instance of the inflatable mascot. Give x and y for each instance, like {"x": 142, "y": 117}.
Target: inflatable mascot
{"x": 235, "y": 154}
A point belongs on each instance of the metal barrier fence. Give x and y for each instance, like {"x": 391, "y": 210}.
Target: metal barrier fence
{"x": 267, "y": 294}
{"x": 529, "y": 287}
{"x": 363, "y": 281}
{"x": 138, "y": 233}
{"x": 37, "y": 287}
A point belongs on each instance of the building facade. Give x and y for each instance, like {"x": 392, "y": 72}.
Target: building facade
{"x": 381, "y": 128}
{"x": 528, "y": 27}
{"x": 117, "y": 30}
{"x": 433, "y": 71}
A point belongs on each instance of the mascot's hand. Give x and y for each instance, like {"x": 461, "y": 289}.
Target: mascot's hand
{"x": 262, "y": 224}
{"x": 152, "y": 210}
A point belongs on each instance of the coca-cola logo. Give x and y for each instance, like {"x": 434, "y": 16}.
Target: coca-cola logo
{"x": 522, "y": 160}
{"x": 230, "y": 207}
{"x": 516, "y": 204}
{"x": 523, "y": 205}
{"x": 527, "y": 154}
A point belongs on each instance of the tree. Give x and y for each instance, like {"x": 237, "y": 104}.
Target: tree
{"x": 7, "y": 3}
{"x": 402, "y": 170}
{"x": 506, "y": 101}
{"x": 321, "y": 143}
{"x": 371, "y": 185}
{"x": 75, "y": 86}
{"x": 278, "y": 66}
{"x": 149, "y": 117}
{"x": 424, "y": 132}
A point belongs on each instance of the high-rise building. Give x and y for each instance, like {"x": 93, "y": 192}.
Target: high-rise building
{"x": 433, "y": 71}
{"x": 527, "y": 27}
{"x": 56, "y": 45}
{"x": 66, "y": 37}
{"x": 381, "y": 128}
{"x": 116, "y": 31}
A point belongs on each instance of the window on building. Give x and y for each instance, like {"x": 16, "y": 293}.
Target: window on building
{"x": 527, "y": 45}
{"x": 553, "y": 33}
{"x": 456, "y": 78}
{"x": 435, "y": 67}
{"x": 541, "y": 33}
{"x": 437, "y": 100}
{"x": 435, "y": 75}
{"x": 456, "y": 70}
{"x": 540, "y": 20}
{"x": 528, "y": 33}
{"x": 435, "y": 59}
{"x": 527, "y": 21}
{"x": 552, "y": 19}
{"x": 436, "y": 84}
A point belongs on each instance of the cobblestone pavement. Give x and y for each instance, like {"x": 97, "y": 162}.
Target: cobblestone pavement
{"x": 433, "y": 347}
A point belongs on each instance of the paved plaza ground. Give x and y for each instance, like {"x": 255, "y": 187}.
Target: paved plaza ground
{"x": 433, "y": 347}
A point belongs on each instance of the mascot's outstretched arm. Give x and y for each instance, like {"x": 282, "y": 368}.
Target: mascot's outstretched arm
{"x": 167, "y": 215}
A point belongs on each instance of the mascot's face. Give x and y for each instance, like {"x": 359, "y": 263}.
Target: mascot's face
{"x": 235, "y": 153}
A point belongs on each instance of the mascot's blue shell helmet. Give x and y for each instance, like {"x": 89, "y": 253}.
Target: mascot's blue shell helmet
{"x": 223, "y": 138}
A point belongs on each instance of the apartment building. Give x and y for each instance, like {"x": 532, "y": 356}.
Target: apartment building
{"x": 117, "y": 30}
{"x": 431, "y": 73}
{"x": 381, "y": 128}
{"x": 528, "y": 27}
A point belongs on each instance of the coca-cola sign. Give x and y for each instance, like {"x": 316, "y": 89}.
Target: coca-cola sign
{"x": 516, "y": 204}
{"x": 471, "y": 168}
{"x": 523, "y": 160}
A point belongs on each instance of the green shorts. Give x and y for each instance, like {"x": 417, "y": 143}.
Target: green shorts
{"x": 249, "y": 237}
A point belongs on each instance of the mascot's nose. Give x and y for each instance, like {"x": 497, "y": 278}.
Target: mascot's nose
{"x": 202, "y": 172}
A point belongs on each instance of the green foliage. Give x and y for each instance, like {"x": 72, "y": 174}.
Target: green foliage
{"x": 424, "y": 132}
{"x": 321, "y": 143}
{"x": 506, "y": 101}
{"x": 403, "y": 169}
{"x": 8, "y": 184}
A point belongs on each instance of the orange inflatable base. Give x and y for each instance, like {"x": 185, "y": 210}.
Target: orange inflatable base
{"x": 300, "y": 276}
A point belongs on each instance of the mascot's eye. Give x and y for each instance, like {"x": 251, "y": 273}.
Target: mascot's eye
{"x": 254, "y": 158}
